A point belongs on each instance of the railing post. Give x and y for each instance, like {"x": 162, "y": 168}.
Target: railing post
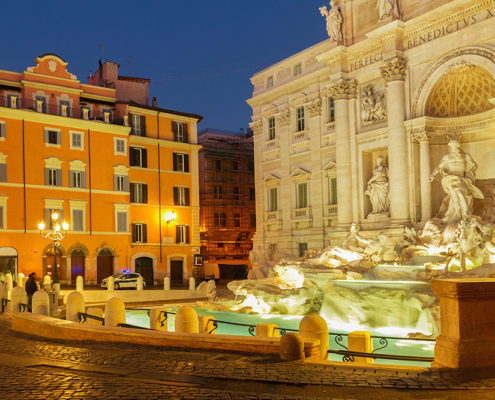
{"x": 266, "y": 330}
{"x": 313, "y": 326}
{"x": 75, "y": 304}
{"x": 207, "y": 324}
{"x": 41, "y": 303}
{"x": 166, "y": 283}
{"x": 159, "y": 319}
{"x": 4, "y": 294}
{"x": 361, "y": 341}
{"x": 80, "y": 283}
{"x": 17, "y": 296}
{"x": 292, "y": 347}
{"x": 114, "y": 312}
{"x": 186, "y": 320}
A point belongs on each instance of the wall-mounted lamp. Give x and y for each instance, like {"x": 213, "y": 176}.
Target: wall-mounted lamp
{"x": 170, "y": 216}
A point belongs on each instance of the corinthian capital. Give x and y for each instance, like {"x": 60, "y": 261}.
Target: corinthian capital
{"x": 283, "y": 118}
{"x": 421, "y": 137}
{"x": 394, "y": 70}
{"x": 344, "y": 89}
{"x": 314, "y": 108}
{"x": 256, "y": 126}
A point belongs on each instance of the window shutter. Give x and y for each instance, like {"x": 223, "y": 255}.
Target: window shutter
{"x": 176, "y": 195}
{"x": 3, "y": 172}
{"x": 2, "y": 130}
{"x": 83, "y": 180}
{"x": 59, "y": 137}
{"x": 187, "y": 234}
{"x": 71, "y": 179}
{"x": 177, "y": 233}
{"x": 144, "y": 153}
{"x": 129, "y": 118}
{"x": 59, "y": 177}
{"x": 132, "y": 156}
{"x": 126, "y": 183}
{"x": 174, "y": 129}
{"x": 133, "y": 232}
{"x": 186, "y": 133}
{"x": 186, "y": 192}
{"x": 143, "y": 125}
{"x": 115, "y": 182}
{"x": 1, "y": 218}
{"x": 145, "y": 233}
{"x": 48, "y": 220}
{"x": 175, "y": 161}
{"x": 46, "y": 136}
{"x": 47, "y": 171}
{"x": 132, "y": 192}
{"x": 186, "y": 162}
{"x": 145, "y": 193}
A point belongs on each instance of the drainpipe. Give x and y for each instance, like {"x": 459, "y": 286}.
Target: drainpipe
{"x": 159, "y": 184}
{"x": 89, "y": 184}
{"x": 24, "y": 176}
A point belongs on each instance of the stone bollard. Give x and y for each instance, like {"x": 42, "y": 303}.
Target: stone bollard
{"x": 4, "y": 294}
{"x": 192, "y": 283}
{"x": 20, "y": 279}
{"x": 95, "y": 311}
{"x": 362, "y": 342}
{"x": 267, "y": 330}
{"x": 159, "y": 319}
{"x": 8, "y": 281}
{"x": 291, "y": 347}
{"x": 313, "y": 326}
{"x": 17, "y": 296}
{"x": 110, "y": 283}
{"x": 186, "y": 320}
{"x": 75, "y": 304}
{"x": 80, "y": 283}
{"x": 114, "y": 312}
{"x": 139, "y": 285}
{"x": 166, "y": 283}
{"x": 47, "y": 283}
{"x": 41, "y": 303}
{"x": 207, "y": 324}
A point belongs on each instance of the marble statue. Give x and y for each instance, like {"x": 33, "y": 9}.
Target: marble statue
{"x": 373, "y": 106}
{"x": 377, "y": 189}
{"x": 334, "y": 21}
{"x": 387, "y": 8}
{"x": 457, "y": 170}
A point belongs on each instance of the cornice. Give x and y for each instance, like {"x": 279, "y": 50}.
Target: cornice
{"x": 164, "y": 143}
{"x": 51, "y": 87}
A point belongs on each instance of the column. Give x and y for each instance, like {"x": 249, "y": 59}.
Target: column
{"x": 258, "y": 238}
{"x": 341, "y": 92}
{"x": 394, "y": 73}
{"x": 424, "y": 173}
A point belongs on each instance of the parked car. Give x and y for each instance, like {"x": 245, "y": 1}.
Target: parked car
{"x": 123, "y": 280}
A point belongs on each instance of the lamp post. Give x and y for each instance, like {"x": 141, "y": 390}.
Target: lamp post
{"x": 56, "y": 234}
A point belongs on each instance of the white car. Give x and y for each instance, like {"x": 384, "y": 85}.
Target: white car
{"x": 123, "y": 280}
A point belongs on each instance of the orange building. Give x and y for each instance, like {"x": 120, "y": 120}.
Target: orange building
{"x": 122, "y": 173}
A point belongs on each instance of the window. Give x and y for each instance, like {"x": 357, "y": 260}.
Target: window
{"x": 180, "y": 132}
{"x": 218, "y": 165}
{"x": 181, "y": 162}
{"x": 217, "y": 191}
{"x": 303, "y": 247}
{"x": 40, "y": 104}
{"x": 85, "y": 112}
{"x": 252, "y": 194}
{"x": 236, "y": 192}
{"x": 272, "y": 199}
{"x": 121, "y": 183}
{"x": 300, "y": 119}
{"x": 235, "y": 165}
{"x": 251, "y": 166}
{"x": 253, "y": 220}
{"x": 64, "y": 108}
{"x": 53, "y": 177}
{"x": 297, "y": 69}
{"x": 106, "y": 115}
{"x": 13, "y": 101}
{"x": 181, "y": 196}
{"x": 331, "y": 109}
{"x": 220, "y": 219}
{"x": 48, "y": 215}
{"x": 53, "y": 137}
{"x": 3, "y": 172}
{"x": 237, "y": 220}
{"x": 139, "y": 193}
{"x": 3, "y": 131}
{"x": 333, "y": 191}
{"x": 271, "y": 128}
{"x": 302, "y": 195}
{"x": 76, "y": 140}
{"x": 2, "y": 222}
{"x": 119, "y": 146}
{"x": 139, "y": 233}
{"x": 138, "y": 125}
{"x": 182, "y": 234}
{"x": 77, "y": 220}
{"x": 121, "y": 221}
{"x": 138, "y": 157}
{"x": 269, "y": 82}
{"x": 77, "y": 179}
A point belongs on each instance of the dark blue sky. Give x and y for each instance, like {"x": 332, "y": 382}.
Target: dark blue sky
{"x": 198, "y": 54}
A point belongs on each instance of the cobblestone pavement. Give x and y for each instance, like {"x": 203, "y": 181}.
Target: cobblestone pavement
{"x": 40, "y": 369}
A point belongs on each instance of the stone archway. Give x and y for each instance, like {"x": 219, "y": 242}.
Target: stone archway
{"x": 8, "y": 261}
{"x": 61, "y": 262}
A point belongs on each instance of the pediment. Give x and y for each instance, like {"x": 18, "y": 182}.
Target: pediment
{"x": 52, "y": 65}
{"x": 271, "y": 179}
{"x": 330, "y": 167}
{"x": 300, "y": 173}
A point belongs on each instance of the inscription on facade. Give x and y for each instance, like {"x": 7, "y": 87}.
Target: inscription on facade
{"x": 364, "y": 62}
{"x": 452, "y": 27}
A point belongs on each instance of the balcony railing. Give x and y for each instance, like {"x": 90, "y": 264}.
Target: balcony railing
{"x": 332, "y": 209}
{"x": 301, "y": 213}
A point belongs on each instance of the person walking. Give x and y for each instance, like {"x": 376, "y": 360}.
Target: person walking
{"x": 31, "y": 287}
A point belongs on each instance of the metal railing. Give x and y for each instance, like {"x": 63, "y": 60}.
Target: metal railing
{"x": 349, "y": 356}
{"x": 83, "y": 317}
{"x": 24, "y": 307}
{"x": 5, "y": 302}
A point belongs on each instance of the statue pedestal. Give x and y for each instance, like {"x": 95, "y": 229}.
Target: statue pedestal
{"x": 467, "y": 320}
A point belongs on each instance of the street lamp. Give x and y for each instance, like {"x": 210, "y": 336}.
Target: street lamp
{"x": 56, "y": 234}
{"x": 170, "y": 216}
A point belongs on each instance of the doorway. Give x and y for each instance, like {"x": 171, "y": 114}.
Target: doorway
{"x": 144, "y": 266}
{"x": 77, "y": 259}
{"x": 104, "y": 264}
{"x": 8, "y": 262}
{"x": 177, "y": 272}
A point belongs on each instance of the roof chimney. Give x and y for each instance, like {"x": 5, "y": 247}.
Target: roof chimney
{"x": 153, "y": 101}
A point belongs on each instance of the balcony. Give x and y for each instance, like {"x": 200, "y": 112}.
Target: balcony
{"x": 332, "y": 210}
{"x": 301, "y": 214}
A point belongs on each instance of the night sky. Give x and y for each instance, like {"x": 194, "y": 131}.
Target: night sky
{"x": 198, "y": 54}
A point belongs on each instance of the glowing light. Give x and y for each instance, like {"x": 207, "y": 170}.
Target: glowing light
{"x": 41, "y": 226}
{"x": 257, "y": 305}
{"x": 57, "y": 228}
{"x": 55, "y": 216}
{"x": 170, "y": 216}
{"x": 65, "y": 226}
{"x": 288, "y": 277}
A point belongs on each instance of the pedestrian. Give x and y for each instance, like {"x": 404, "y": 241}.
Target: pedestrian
{"x": 31, "y": 287}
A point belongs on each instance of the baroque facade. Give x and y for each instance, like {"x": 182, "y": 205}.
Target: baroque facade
{"x": 111, "y": 165}
{"x": 349, "y": 130}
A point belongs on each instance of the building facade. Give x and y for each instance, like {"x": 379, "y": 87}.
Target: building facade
{"x": 377, "y": 102}
{"x": 108, "y": 163}
{"x": 227, "y": 200}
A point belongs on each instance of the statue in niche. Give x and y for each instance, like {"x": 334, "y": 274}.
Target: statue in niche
{"x": 458, "y": 172}
{"x": 387, "y": 8}
{"x": 373, "y": 105}
{"x": 377, "y": 189}
{"x": 334, "y": 21}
